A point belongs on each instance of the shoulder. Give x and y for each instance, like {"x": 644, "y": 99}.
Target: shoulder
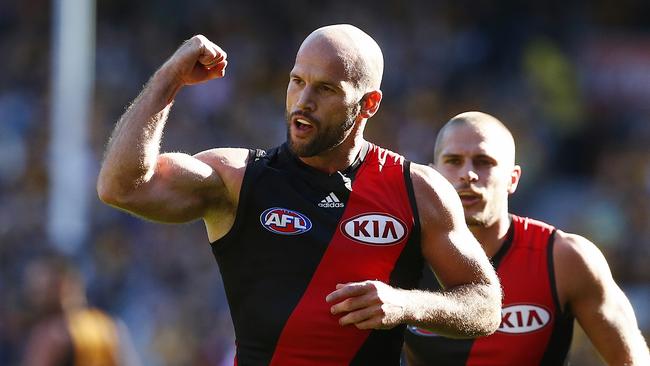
{"x": 428, "y": 180}
{"x": 575, "y": 250}
{"x": 527, "y": 222}
{"x": 233, "y": 158}
{"x": 436, "y": 199}
{"x": 229, "y": 164}
{"x": 579, "y": 265}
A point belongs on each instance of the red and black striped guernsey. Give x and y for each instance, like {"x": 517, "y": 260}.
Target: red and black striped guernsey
{"x": 298, "y": 233}
{"x": 534, "y": 330}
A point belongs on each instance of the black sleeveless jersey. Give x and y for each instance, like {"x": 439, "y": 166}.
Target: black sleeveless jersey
{"x": 298, "y": 232}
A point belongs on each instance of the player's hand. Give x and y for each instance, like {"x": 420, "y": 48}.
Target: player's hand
{"x": 368, "y": 304}
{"x": 197, "y": 60}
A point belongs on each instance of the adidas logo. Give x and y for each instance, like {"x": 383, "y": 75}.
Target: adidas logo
{"x": 330, "y": 201}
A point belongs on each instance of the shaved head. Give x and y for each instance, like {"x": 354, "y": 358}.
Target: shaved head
{"x": 360, "y": 54}
{"x": 476, "y": 153}
{"x": 485, "y": 125}
{"x": 333, "y": 90}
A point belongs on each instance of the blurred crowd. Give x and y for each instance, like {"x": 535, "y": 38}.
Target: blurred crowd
{"x": 571, "y": 79}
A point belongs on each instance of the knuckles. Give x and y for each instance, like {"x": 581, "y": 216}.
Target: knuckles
{"x": 199, "y": 40}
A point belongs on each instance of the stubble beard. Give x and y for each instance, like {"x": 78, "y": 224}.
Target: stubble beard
{"x": 485, "y": 218}
{"x": 476, "y": 221}
{"x": 326, "y": 139}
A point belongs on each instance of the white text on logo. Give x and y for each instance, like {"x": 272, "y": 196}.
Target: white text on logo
{"x": 374, "y": 229}
{"x": 330, "y": 201}
{"x": 284, "y": 221}
{"x": 523, "y": 318}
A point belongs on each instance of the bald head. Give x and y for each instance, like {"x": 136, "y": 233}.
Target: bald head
{"x": 483, "y": 124}
{"x": 358, "y": 52}
{"x": 476, "y": 153}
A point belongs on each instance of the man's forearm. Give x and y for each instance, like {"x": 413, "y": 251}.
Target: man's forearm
{"x": 135, "y": 143}
{"x": 465, "y": 311}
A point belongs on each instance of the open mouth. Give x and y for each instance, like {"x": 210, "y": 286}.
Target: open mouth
{"x": 302, "y": 124}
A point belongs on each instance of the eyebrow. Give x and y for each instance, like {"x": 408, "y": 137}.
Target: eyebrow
{"x": 482, "y": 155}
{"x": 485, "y": 156}
{"x": 451, "y": 156}
{"x": 330, "y": 83}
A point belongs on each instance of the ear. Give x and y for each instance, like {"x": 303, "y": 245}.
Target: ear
{"x": 515, "y": 175}
{"x": 370, "y": 103}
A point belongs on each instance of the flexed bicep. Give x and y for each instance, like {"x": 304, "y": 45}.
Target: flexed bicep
{"x": 173, "y": 187}
{"x": 178, "y": 190}
{"x": 183, "y": 188}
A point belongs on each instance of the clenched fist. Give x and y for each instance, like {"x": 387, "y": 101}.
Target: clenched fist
{"x": 197, "y": 60}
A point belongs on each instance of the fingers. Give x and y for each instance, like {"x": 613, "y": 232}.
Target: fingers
{"x": 197, "y": 60}
{"x": 218, "y": 70}
{"x": 360, "y": 304}
{"x": 210, "y": 55}
{"x": 353, "y": 303}
{"x": 365, "y": 318}
{"x": 344, "y": 291}
{"x": 367, "y": 305}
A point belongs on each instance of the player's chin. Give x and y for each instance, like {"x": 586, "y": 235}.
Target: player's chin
{"x": 295, "y": 147}
{"x": 301, "y": 148}
{"x": 475, "y": 220}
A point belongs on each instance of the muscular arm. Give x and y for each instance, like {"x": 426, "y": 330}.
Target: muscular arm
{"x": 170, "y": 187}
{"x": 586, "y": 287}
{"x": 471, "y": 302}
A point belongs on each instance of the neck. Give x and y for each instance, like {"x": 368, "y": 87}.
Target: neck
{"x": 492, "y": 237}
{"x": 341, "y": 156}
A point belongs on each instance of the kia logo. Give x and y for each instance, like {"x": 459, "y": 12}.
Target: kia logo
{"x": 517, "y": 319}
{"x": 374, "y": 229}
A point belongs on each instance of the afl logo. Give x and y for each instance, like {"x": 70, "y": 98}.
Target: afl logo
{"x": 374, "y": 229}
{"x": 421, "y": 332}
{"x": 283, "y": 221}
{"x": 518, "y": 319}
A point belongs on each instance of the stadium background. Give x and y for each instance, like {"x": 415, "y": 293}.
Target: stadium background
{"x": 572, "y": 80}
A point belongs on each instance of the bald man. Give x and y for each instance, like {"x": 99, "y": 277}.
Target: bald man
{"x": 549, "y": 277}
{"x": 319, "y": 241}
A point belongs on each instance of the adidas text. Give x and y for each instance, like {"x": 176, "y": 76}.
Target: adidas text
{"x": 331, "y": 201}
{"x": 330, "y": 204}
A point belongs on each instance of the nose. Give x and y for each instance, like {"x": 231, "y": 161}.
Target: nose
{"x": 469, "y": 175}
{"x": 305, "y": 100}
